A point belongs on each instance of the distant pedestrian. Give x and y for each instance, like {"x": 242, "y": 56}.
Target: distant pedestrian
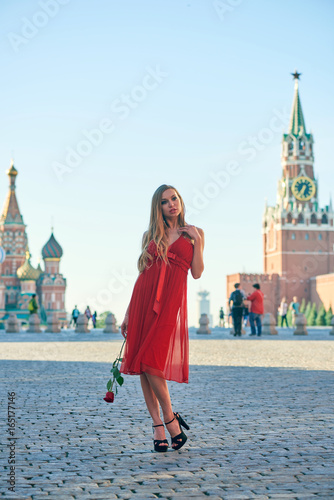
{"x": 221, "y": 317}
{"x": 94, "y": 316}
{"x": 88, "y": 313}
{"x": 282, "y": 311}
{"x": 237, "y": 297}
{"x": 257, "y": 310}
{"x": 246, "y": 315}
{"x": 294, "y": 306}
{"x": 75, "y": 314}
{"x": 33, "y": 306}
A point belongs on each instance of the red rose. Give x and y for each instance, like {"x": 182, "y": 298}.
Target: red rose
{"x": 109, "y": 397}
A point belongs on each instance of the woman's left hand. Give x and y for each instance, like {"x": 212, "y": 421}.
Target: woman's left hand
{"x": 192, "y": 231}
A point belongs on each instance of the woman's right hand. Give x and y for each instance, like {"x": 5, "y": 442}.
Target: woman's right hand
{"x": 124, "y": 326}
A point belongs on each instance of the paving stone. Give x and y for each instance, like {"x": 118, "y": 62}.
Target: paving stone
{"x": 255, "y": 431}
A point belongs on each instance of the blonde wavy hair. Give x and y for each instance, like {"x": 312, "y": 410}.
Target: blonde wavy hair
{"x": 157, "y": 230}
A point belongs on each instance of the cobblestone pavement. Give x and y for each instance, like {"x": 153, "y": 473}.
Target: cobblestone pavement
{"x": 312, "y": 352}
{"x": 255, "y": 431}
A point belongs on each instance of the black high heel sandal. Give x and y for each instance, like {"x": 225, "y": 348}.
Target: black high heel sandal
{"x": 157, "y": 442}
{"x": 181, "y": 438}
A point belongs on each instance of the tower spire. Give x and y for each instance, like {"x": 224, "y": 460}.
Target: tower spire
{"x": 297, "y": 123}
{"x": 11, "y": 212}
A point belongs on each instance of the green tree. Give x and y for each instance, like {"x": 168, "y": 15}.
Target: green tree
{"x": 329, "y": 316}
{"x": 101, "y": 319}
{"x": 302, "y": 307}
{"x": 308, "y": 310}
{"x": 312, "y": 316}
{"x": 321, "y": 316}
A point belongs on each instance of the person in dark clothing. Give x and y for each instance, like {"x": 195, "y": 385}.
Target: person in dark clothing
{"x": 237, "y": 297}
{"x": 246, "y": 315}
{"x": 33, "y": 306}
{"x": 221, "y": 317}
{"x": 75, "y": 315}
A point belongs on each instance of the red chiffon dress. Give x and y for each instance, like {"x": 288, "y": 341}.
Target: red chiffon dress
{"x": 157, "y": 336}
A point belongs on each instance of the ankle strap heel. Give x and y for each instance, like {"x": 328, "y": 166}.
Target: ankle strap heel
{"x": 160, "y": 445}
{"x": 179, "y": 440}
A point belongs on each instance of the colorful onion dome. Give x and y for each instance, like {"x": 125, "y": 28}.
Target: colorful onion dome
{"x": 26, "y": 271}
{"x": 52, "y": 249}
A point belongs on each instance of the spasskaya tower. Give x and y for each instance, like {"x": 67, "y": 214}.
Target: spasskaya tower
{"x": 298, "y": 234}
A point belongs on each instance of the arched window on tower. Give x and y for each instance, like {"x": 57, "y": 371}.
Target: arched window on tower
{"x": 289, "y": 218}
{"x": 324, "y": 219}
{"x": 319, "y": 236}
{"x": 313, "y": 219}
{"x": 293, "y": 236}
{"x": 307, "y": 236}
{"x": 300, "y": 219}
{"x": 290, "y": 147}
{"x": 301, "y": 145}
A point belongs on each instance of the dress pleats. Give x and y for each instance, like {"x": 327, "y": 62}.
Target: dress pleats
{"x": 157, "y": 337}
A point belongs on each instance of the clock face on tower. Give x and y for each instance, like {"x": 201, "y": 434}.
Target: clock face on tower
{"x": 303, "y": 188}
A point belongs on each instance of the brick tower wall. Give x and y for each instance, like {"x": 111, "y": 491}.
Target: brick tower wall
{"x": 322, "y": 290}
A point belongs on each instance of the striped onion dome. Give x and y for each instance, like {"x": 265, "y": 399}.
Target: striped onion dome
{"x": 52, "y": 249}
{"x": 26, "y": 271}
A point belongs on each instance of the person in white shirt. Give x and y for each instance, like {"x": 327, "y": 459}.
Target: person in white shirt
{"x": 282, "y": 311}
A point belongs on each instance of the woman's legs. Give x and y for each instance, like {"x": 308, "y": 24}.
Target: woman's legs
{"x": 152, "y": 404}
{"x": 151, "y": 400}
{"x": 156, "y": 392}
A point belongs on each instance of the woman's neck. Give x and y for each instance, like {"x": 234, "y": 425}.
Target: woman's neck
{"x": 173, "y": 225}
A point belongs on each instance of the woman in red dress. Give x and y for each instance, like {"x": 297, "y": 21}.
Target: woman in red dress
{"x": 155, "y": 324}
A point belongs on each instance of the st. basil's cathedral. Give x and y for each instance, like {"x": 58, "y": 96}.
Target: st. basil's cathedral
{"x": 19, "y": 280}
{"x": 298, "y": 234}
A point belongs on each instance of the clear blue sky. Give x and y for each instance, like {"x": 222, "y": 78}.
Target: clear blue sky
{"x": 201, "y": 83}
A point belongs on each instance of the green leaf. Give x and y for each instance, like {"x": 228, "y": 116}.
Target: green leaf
{"x": 109, "y": 385}
{"x": 120, "y": 380}
{"x": 116, "y": 372}
{"x": 115, "y": 390}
